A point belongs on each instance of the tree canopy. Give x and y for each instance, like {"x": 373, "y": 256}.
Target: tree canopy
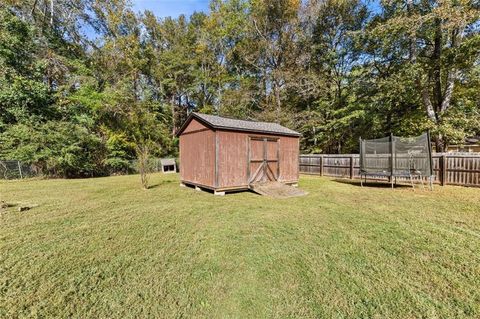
{"x": 84, "y": 103}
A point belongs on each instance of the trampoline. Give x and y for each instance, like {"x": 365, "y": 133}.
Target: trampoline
{"x": 393, "y": 156}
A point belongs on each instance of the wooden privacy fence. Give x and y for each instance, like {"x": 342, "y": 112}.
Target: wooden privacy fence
{"x": 448, "y": 168}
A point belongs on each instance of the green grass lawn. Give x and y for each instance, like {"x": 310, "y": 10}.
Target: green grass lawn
{"x": 97, "y": 248}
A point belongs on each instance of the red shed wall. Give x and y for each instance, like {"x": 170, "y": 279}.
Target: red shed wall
{"x": 233, "y": 158}
{"x": 197, "y": 155}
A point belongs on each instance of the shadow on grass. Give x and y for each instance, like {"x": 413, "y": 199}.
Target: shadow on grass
{"x": 210, "y": 191}
{"x": 161, "y": 183}
{"x": 369, "y": 183}
{"x": 5, "y": 205}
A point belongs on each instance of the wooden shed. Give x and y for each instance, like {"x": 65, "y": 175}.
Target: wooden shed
{"x": 224, "y": 154}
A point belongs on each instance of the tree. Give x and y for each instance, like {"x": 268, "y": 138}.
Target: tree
{"x": 23, "y": 94}
{"x": 78, "y": 105}
{"x": 437, "y": 43}
{"x": 329, "y": 73}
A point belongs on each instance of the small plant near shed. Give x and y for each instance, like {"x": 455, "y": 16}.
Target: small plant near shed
{"x": 143, "y": 155}
{"x": 146, "y": 132}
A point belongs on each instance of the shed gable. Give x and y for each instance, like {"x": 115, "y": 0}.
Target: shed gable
{"x": 194, "y": 126}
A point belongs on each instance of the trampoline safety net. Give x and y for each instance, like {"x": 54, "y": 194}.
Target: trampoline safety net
{"x": 396, "y": 156}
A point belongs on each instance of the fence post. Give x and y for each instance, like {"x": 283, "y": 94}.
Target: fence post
{"x": 20, "y": 169}
{"x": 443, "y": 167}
{"x": 321, "y": 165}
{"x": 392, "y": 148}
{"x": 351, "y": 166}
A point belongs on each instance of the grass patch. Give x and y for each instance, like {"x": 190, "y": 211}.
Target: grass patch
{"x": 106, "y": 248}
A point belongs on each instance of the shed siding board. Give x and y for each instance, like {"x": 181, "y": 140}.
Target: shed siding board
{"x": 197, "y": 157}
{"x": 272, "y": 150}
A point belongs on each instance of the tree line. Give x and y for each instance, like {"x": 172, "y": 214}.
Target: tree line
{"x": 88, "y": 85}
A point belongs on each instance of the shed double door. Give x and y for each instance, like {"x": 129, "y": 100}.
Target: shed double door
{"x": 263, "y": 159}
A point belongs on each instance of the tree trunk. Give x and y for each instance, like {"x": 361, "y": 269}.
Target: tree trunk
{"x": 51, "y": 13}
{"x": 452, "y": 74}
{"x": 174, "y": 130}
{"x": 34, "y": 6}
{"x": 439, "y": 143}
{"x": 436, "y": 72}
{"x": 143, "y": 155}
{"x": 413, "y": 38}
{"x": 278, "y": 103}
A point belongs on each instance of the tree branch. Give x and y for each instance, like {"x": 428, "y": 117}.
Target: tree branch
{"x": 451, "y": 76}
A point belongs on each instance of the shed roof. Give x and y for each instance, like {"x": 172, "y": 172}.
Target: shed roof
{"x": 167, "y": 161}
{"x": 218, "y": 122}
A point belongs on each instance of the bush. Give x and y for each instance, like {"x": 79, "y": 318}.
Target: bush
{"x": 120, "y": 153}
{"x": 58, "y": 148}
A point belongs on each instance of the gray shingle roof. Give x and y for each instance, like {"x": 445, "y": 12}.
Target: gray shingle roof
{"x": 218, "y": 122}
{"x": 167, "y": 161}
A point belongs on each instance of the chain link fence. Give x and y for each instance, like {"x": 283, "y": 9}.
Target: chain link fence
{"x": 16, "y": 170}
{"x": 11, "y": 169}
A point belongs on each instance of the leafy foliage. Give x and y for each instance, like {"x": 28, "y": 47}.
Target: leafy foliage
{"x": 78, "y": 105}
